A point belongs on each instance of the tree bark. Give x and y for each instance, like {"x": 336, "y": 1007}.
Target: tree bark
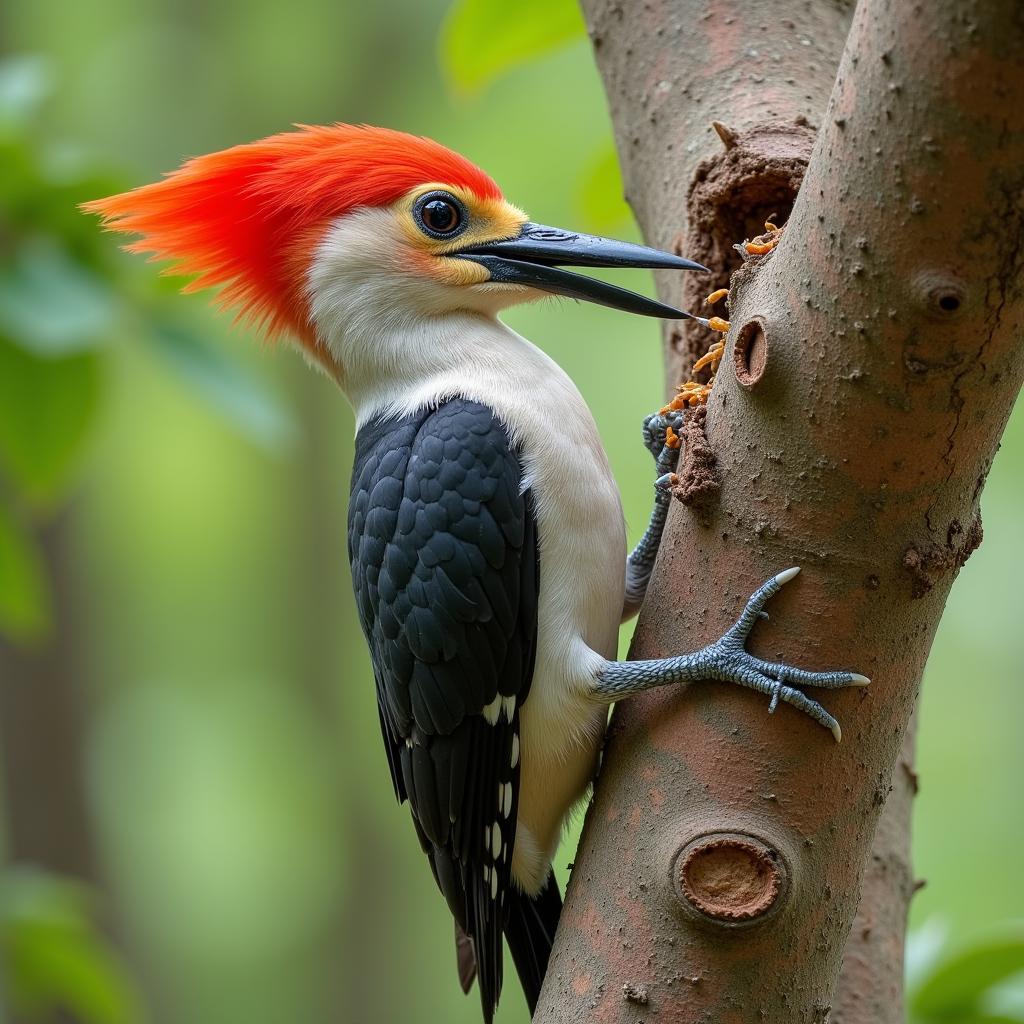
{"x": 672, "y": 70}
{"x": 721, "y": 864}
{"x": 730, "y": 177}
{"x": 870, "y": 989}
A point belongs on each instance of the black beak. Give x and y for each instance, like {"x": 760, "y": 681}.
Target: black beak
{"x": 533, "y": 257}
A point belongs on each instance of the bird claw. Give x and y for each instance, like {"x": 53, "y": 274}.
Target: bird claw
{"x": 731, "y": 662}
{"x": 661, "y": 438}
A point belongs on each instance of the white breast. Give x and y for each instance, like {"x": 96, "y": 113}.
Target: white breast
{"x": 582, "y": 551}
{"x": 402, "y": 344}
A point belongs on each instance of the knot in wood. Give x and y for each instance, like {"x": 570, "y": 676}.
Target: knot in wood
{"x": 729, "y": 877}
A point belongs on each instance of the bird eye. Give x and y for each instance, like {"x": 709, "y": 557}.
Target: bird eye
{"x": 439, "y": 214}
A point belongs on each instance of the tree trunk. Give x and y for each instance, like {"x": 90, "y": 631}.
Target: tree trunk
{"x": 42, "y": 718}
{"x": 41, "y": 727}
{"x": 870, "y": 989}
{"x": 769, "y": 77}
{"x": 722, "y": 861}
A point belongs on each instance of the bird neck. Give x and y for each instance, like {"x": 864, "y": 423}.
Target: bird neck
{"x": 396, "y": 366}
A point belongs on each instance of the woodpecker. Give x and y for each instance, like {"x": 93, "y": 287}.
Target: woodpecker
{"x": 485, "y": 531}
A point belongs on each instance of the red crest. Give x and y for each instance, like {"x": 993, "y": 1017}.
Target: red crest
{"x": 247, "y": 219}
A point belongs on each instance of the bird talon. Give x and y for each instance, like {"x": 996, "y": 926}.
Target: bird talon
{"x": 776, "y": 680}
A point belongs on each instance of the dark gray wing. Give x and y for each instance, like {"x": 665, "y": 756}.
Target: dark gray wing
{"x": 443, "y": 547}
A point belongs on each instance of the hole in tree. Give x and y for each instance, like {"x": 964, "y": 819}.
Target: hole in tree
{"x": 750, "y": 356}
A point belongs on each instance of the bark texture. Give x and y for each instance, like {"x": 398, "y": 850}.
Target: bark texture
{"x": 767, "y": 87}
{"x": 673, "y": 67}
{"x": 870, "y": 989}
{"x": 721, "y": 864}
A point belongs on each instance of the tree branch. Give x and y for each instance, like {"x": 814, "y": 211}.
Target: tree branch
{"x": 888, "y": 320}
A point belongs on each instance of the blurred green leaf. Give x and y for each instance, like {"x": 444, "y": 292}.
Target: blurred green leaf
{"x": 601, "y": 200}
{"x": 983, "y": 1018}
{"x": 925, "y": 949}
{"x": 24, "y": 597}
{"x": 51, "y": 305}
{"x": 25, "y": 83}
{"x": 67, "y": 181}
{"x": 1006, "y": 999}
{"x": 56, "y": 956}
{"x": 482, "y": 39}
{"x": 47, "y": 408}
{"x": 956, "y": 987}
{"x": 19, "y": 179}
{"x": 222, "y": 382}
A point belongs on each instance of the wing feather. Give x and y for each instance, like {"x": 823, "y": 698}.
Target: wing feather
{"x": 443, "y": 546}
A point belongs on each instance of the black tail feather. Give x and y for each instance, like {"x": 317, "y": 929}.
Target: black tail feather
{"x": 530, "y": 934}
{"x": 465, "y": 958}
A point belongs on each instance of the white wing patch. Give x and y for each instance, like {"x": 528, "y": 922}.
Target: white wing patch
{"x": 493, "y": 710}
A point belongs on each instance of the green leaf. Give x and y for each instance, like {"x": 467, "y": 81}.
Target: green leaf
{"x": 957, "y": 985}
{"x": 482, "y": 39}
{"x": 980, "y": 1018}
{"x": 55, "y": 954}
{"x": 925, "y": 948}
{"x": 50, "y": 304}
{"x": 47, "y": 409}
{"x": 25, "y": 83}
{"x": 19, "y": 181}
{"x": 601, "y": 200}
{"x": 1006, "y": 999}
{"x": 24, "y": 594}
{"x": 225, "y": 385}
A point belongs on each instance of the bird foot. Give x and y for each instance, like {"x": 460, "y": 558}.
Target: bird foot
{"x": 728, "y": 660}
{"x": 661, "y": 432}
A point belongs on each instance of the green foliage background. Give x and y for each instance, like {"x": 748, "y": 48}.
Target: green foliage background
{"x": 253, "y": 866}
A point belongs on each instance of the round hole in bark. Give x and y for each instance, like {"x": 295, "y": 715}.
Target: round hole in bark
{"x": 945, "y": 298}
{"x": 942, "y": 293}
{"x": 730, "y": 878}
{"x": 750, "y": 354}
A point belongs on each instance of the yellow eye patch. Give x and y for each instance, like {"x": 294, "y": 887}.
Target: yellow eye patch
{"x": 480, "y": 220}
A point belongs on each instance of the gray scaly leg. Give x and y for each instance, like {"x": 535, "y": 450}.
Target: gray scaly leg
{"x": 727, "y": 660}
{"x": 641, "y": 559}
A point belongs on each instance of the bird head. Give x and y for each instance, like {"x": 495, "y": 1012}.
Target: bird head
{"x": 331, "y": 232}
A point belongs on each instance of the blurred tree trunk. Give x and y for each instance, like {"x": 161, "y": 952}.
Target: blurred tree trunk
{"x": 852, "y": 427}
{"x": 46, "y": 819}
{"x": 356, "y": 969}
{"x": 41, "y": 722}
